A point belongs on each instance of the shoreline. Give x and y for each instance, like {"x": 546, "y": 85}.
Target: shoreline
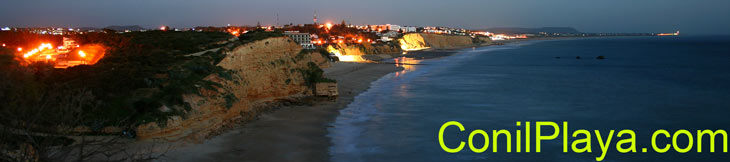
{"x": 299, "y": 132}
{"x": 289, "y": 133}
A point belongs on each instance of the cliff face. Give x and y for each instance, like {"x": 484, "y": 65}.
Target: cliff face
{"x": 415, "y": 41}
{"x": 355, "y": 52}
{"x": 484, "y": 40}
{"x": 363, "y": 49}
{"x": 262, "y": 72}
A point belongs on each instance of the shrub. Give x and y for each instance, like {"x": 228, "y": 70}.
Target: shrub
{"x": 258, "y": 34}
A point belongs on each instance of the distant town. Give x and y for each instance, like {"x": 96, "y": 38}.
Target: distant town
{"x": 309, "y": 36}
{"x": 382, "y": 33}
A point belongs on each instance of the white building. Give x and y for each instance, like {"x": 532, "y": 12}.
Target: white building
{"x": 394, "y": 27}
{"x": 409, "y": 29}
{"x": 390, "y": 33}
{"x": 303, "y": 39}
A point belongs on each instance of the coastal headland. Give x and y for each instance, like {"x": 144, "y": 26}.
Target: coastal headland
{"x": 298, "y": 132}
{"x": 212, "y": 89}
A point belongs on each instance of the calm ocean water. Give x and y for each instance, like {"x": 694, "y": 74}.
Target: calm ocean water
{"x": 644, "y": 84}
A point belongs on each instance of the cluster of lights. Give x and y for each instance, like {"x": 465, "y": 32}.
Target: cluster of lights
{"x": 61, "y": 56}
{"x": 482, "y": 33}
{"x": 360, "y": 40}
{"x": 504, "y": 37}
{"x": 39, "y": 49}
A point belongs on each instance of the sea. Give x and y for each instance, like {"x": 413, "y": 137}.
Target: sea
{"x": 642, "y": 84}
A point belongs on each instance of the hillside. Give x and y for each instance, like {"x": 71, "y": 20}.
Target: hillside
{"x": 261, "y": 73}
{"x": 148, "y": 82}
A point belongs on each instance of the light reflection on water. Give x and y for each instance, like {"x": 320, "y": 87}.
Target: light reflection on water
{"x": 641, "y": 88}
{"x": 408, "y": 64}
{"x": 358, "y": 131}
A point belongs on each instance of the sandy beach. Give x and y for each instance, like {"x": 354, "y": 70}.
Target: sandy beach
{"x": 291, "y": 133}
{"x": 298, "y": 133}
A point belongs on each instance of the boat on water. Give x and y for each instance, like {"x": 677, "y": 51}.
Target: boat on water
{"x": 669, "y": 34}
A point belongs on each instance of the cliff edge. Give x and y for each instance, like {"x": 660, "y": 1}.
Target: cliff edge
{"x": 262, "y": 73}
{"x": 416, "y": 41}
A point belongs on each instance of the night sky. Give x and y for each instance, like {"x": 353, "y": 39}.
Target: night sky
{"x": 690, "y": 16}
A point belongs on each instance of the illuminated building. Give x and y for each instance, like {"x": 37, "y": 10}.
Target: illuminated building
{"x": 408, "y": 29}
{"x": 393, "y": 27}
{"x": 303, "y": 39}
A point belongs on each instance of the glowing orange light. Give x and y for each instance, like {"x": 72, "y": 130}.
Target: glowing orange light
{"x": 31, "y": 53}
{"x": 82, "y": 54}
{"x": 344, "y": 58}
{"x": 45, "y": 46}
{"x": 163, "y": 28}
{"x": 359, "y": 41}
{"x": 48, "y": 57}
{"x": 3, "y": 44}
{"x": 408, "y": 64}
{"x": 20, "y": 49}
{"x": 341, "y": 41}
{"x": 329, "y": 25}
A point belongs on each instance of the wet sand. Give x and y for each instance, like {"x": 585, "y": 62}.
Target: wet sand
{"x": 292, "y": 133}
{"x": 297, "y": 133}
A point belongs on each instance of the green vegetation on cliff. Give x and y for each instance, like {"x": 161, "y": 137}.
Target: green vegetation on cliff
{"x": 141, "y": 79}
{"x": 257, "y": 35}
{"x": 171, "y": 41}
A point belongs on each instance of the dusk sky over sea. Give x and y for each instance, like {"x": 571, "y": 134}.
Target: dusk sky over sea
{"x": 691, "y": 17}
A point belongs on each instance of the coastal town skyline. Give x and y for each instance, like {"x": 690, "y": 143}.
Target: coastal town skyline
{"x": 613, "y": 17}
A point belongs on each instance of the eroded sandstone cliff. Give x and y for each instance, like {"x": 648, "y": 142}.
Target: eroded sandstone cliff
{"x": 364, "y": 49}
{"x": 436, "y": 41}
{"x": 261, "y": 73}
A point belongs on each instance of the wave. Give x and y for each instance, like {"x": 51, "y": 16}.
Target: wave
{"x": 345, "y": 132}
